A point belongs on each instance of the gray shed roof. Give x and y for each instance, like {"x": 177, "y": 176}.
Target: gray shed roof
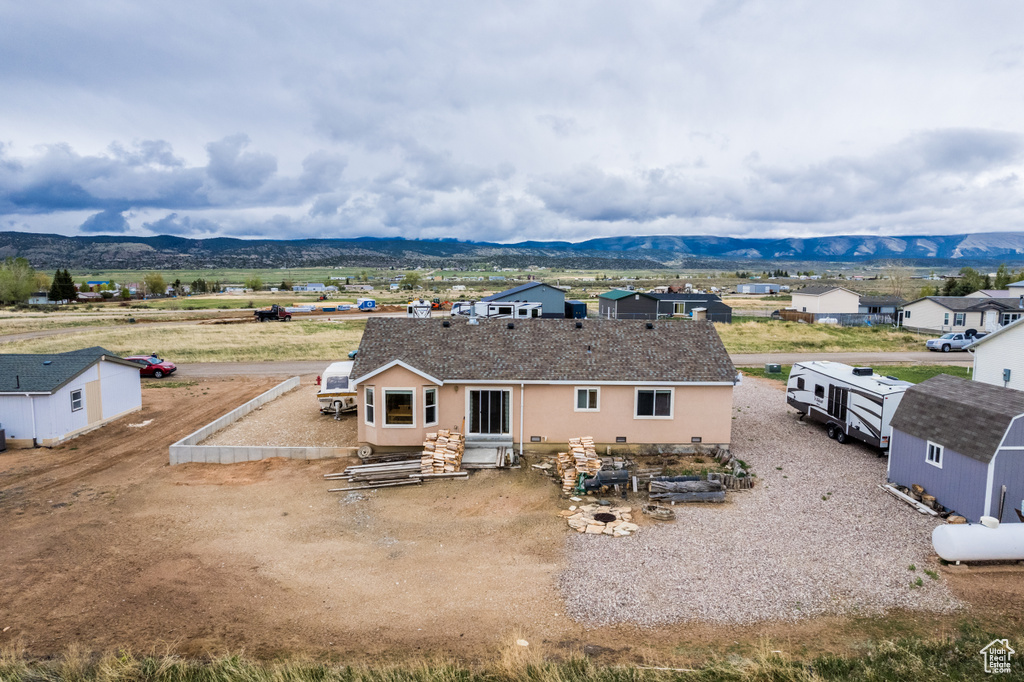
{"x": 548, "y": 350}
{"x": 45, "y": 373}
{"x": 963, "y": 415}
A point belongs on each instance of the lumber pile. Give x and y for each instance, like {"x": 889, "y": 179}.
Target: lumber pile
{"x": 673, "y": 490}
{"x": 386, "y": 475}
{"x": 442, "y": 452}
{"x": 581, "y": 459}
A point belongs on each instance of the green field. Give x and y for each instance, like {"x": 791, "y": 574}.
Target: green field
{"x": 776, "y": 336}
{"x": 915, "y": 374}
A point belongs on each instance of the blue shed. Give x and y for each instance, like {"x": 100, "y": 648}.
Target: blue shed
{"x": 552, "y": 299}
{"x": 962, "y": 441}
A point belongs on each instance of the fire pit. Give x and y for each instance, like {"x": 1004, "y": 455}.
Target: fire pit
{"x": 604, "y": 517}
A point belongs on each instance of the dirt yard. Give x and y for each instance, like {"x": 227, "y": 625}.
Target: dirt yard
{"x": 105, "y": 545}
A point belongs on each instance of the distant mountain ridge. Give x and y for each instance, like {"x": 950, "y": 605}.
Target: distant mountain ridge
{"x": 48, "y": 251}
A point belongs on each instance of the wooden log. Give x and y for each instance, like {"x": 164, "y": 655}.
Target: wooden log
{"x": 378, "y": 485}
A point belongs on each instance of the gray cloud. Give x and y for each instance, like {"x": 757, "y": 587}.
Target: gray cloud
{"x": 110, "y": 220}
{"x": 234, "y": 168}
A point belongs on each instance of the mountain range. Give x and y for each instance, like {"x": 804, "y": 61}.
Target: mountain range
{"x": 48, "y": 251}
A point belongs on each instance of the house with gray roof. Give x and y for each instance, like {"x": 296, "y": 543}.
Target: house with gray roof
{"x": 552, "y": 299}
{"x": 47, "y": 399}
{"x": 941, "y": 314}
{"x": 963, "y": 441}
{"x": 538, "y": 382}
{"x": 620, "y": 304}
{"x": 683, "y": 304}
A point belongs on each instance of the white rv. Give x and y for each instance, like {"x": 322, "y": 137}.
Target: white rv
{"x": 852, "y": 402}
{"x": 419, "y": 309}
{"x": 336, "y": 394}
{"x": 518, "y": 310}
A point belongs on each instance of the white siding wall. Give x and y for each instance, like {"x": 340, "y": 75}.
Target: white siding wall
{"x": 121, "y": 387}
{"x": 1005, "y": 351}
{"x": 930, "y": 315}
{"x": 838, "y": 301}
{"x": 54, "y": 418}
{"x": 16, "y": 416}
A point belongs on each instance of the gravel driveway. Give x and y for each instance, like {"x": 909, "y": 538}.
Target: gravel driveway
{"x": 815, "y": 536}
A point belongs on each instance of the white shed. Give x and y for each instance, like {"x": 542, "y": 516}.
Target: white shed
{"x": 46, "y": 399}
{"x": 999, "y": 357}
{"x": 831, "y": 300}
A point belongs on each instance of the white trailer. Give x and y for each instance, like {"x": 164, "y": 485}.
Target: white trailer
{"x": 419, "y": 309}
{"x": 519, "y": 310}
{"x": 852, "y": 402}
{"x": 336, "y": 394}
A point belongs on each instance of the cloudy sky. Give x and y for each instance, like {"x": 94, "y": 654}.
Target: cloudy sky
{"x": 511, "y": 121}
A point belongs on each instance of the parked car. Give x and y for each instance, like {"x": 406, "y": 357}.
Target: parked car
{"x": 953, "y": 341}
{"x": 154, "y": 366}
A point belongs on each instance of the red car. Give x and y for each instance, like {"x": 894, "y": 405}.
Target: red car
{"x": 154, "y": 366}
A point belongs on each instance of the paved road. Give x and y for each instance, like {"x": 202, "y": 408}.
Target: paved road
{"x": 313, "y": 367}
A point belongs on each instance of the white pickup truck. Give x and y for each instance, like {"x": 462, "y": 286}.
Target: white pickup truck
{"x": 953, "y": 341}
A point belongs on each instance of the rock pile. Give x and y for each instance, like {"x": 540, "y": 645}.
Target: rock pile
{"x": 595, "y": 519}
{"x": 581, "y": 459}
{"x": 442, "y": 452}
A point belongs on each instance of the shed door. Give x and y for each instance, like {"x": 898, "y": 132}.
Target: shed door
{"x": 93, "y": 402}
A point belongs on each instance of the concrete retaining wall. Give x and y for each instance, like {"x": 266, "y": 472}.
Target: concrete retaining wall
{"x": 188, "y": 449}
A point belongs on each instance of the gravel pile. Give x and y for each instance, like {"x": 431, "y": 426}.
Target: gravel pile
{"x": 815, "y": 536}
{"x": 292, "y": 420}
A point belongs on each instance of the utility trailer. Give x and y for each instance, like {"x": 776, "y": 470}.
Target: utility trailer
{"x": 336, "y": 394}
{"x": 852, "y": 402}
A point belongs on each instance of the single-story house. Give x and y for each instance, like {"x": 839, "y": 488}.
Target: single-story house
{"x": 829, "y": 300}
{"x": 619, "y": 304}
{"x": 39, "y": 298}
{"x": 682, "y": 304}
{"x": 940, "y": 314}
{"x": 999, "y": 357}
{"x": 962, "y": 441}
{"x": 994, "y": 293}
{"x": 757, "y": 288}
{"x": 46, "y": 399}
{"x": 358, "y": 287}
{"x": 883, "y": 305}
{"x": 1016, "y": 286}
{"x": 89, "y": 296}
{"x": 552, "y": 299}
{"x": 318, "y": 287}
{"x": 539, "y": 382}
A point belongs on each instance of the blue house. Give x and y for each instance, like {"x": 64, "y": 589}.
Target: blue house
{"x": 552, "y": 299}
{"x": 963, "y": 441}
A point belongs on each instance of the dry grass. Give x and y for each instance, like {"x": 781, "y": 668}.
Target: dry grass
{"x": 774, "y": 336}
{"x": 246, "y": 342}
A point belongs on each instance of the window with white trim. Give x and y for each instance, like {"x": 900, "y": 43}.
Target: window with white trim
{"x": 654, "y": 403}
{"x": 429, "y": 406}
{"x": 934, "y": 456}
{"x": 679, "y": 308}
{"x": 76, "y": 400}
{"x": 368, "y": 404}
{"x": 588, "y": 399}
{"x": 398, "y": 407}
{"x": 945, "y": 319}
{"x": 959, "y": 319}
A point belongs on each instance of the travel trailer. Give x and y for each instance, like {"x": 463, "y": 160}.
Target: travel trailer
{"x": 336, "y": 394}
{"x": 502, "y": 309}
{"x": 852, "y": 402}
{"x": 419, "y": 309}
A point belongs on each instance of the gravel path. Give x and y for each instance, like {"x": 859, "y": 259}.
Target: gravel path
{"x": 778, "y": 552}
{"x": 292, "y": 420}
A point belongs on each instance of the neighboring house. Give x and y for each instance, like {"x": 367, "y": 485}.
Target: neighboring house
{"x": 46, "y": 399}
{"x": 318, "y": 287}
{"x": 89, "y": 296}
{"x": 1017, "y": 287}
{"x": 962, "y": 441}
{"x": 619, "y": 304}
{"x": 626, "y": 383}
{"x": 683, "y": 305}
{"x": 879, "y": 305}
{"x": 40, "y": 298}
{"x": 358, "y": 287}
{"x": 757, "y": 288}
{"x": 828, "y": 300}
{"x": 940, "y": 314}
{"x": 552, "y": 299}
{"x": 994, "y": 293}
{"x": 999, "y": 357}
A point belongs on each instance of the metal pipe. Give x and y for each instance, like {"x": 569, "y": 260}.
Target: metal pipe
{"x": 522, "y": 403}
{"x": 1002, "y": 502}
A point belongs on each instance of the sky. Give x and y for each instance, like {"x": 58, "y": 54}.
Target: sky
{"x": 511, "y": 121}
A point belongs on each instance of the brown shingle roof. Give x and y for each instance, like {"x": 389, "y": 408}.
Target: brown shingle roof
{"x": 963, "y": 415}
{"x": 548, "y": 350}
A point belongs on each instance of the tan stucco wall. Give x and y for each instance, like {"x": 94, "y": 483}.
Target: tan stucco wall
{"x": 698, "y": 411}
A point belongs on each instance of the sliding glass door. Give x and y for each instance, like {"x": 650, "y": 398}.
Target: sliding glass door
{"x": 489, "y": 411}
